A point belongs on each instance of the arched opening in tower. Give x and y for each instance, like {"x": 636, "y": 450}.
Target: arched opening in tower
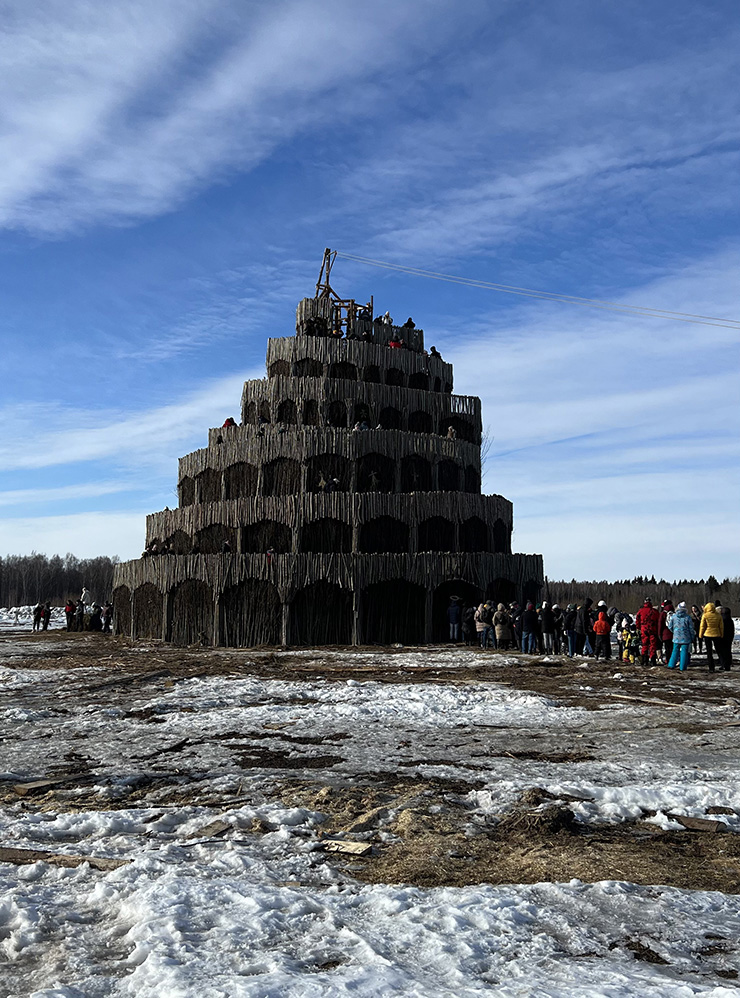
{"x": 324, "y": 536}
{"x": 240, "y": 480}
{"x": 287, "y": 412}
{"x": 362, "y": 413}
{"x": 344, "y": 370}
{"x": 307, "y": 367}
{"x": 310, "y": 412}
{"x": 390, "y": 418}
{"x": 531, "y": 591}
{"x": 420, "y": 422}
{"x": 448, "y": 476}
{"x": 328, "y": 473}
{"x": 122, "y": 610}
{"x": 472, "y": 479}
{"x": 251, "y": 614}
{"x": 209, "y": 485}
{"x": 186, "y": 490}
{"x": 372, "y": 374}
{"x": 180, "y": 543}
{"x": 416, "y": 474}
{"x": 420, "y": 381}
{"x": 501, "y": 591}
{"x": 501, "y": 537}
{"x": 384, "y": 534}
{"x": 436, "y": 534}
{"x": 321, "y": 614}
{"x": 147, "y": 611}
{"x": 375, "y": 473}
{"x": 191, "y": 614}
{"x": 394, "y": 376}
{"x": 265, "y": 415}
{"x": 473, "y": 535}
{"x": 464, "y": 428}
{"x": 279, "y": 369}
{"x": 393, "y": 612}
{"x": 336, "y": 414}
{"x": 216, "y": 538}
{"x": 281, "y": 477}
{"x": 266, "y": 535}
{"x": 467, "y": 595}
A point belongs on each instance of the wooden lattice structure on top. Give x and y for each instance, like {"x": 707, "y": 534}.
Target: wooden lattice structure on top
{"x": 344, "y": 509}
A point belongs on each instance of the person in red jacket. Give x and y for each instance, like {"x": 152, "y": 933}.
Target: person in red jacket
{"x": 602, "y": 630}
{"x": 647, "y": 620}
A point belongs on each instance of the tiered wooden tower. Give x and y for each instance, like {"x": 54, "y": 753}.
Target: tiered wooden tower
{"x": 345, "y": 509}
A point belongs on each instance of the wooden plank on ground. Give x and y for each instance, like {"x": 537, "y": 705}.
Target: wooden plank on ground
{"x": 697, "y": 824}
{"x": 40, "y": 786}
{"x": 341, "y": 845}
{"x": 21, "y": 856}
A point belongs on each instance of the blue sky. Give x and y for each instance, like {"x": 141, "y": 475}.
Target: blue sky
{"x": 173, "y": 169}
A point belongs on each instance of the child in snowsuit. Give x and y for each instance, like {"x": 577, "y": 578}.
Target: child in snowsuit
{"x": 602, "y": 630}
{"x": 631, "y": 644}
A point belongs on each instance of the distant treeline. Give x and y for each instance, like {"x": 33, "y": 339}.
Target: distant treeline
{"x": 629, "y": 594}
{"x": 26, "y": 579}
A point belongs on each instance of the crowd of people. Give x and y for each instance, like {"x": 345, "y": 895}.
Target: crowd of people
{"x": 319, "y": 325}
{"x": 100, "y": 617}
{"x": 655, "y": 635}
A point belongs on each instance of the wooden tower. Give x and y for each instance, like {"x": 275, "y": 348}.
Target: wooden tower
{"x": 344, "y": 509}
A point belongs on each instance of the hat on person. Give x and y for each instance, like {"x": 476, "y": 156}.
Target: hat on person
{"x": 601, "y": 602}
{"x": 648, "y": 601}
{"x": 682, "y": 606}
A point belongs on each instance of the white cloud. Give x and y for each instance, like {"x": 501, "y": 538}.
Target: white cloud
{"x": 63, "y": 493}
{"x": 151, "y": 439}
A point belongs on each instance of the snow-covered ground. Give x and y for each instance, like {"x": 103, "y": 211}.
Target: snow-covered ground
{"x": 258, "y": 908}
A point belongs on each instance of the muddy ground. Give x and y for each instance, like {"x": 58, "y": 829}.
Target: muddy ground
{"x": 419, "y": 825}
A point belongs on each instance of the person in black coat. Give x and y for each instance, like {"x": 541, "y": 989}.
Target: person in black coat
{"x": 584, "y": 627}
{"x": 728, "y": 635}
{"x": 547, "y": 623}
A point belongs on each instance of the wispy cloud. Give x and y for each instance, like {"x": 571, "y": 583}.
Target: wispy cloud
{"x": 613, "y": 421}
{"x": 151, "y": 438}
{"x": 104, "y": 123}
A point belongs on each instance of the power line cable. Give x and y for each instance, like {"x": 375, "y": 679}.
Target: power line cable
{"x": 608, "y": 306}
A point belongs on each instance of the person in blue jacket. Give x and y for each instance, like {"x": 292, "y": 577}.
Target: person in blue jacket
{"x": 682, "y": 627}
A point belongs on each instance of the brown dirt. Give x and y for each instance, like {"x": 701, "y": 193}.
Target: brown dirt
{"x": 429, "y": 823}
{"x": 142, "y": 662}
{"x": 534, "y": 842}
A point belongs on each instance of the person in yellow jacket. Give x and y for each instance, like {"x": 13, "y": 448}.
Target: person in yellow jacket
{"x": 712, "y": 630}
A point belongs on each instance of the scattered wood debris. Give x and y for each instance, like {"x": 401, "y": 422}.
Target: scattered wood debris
{"x": 19, "y": 857}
